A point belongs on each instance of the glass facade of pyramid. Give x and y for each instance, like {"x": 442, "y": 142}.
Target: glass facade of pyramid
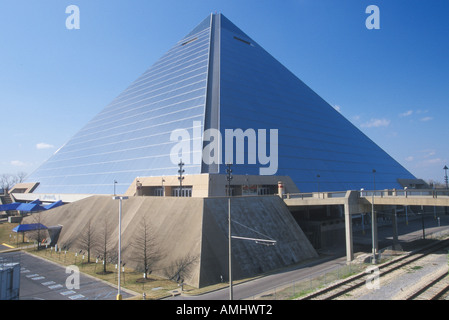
{"x": 218, "y": 79}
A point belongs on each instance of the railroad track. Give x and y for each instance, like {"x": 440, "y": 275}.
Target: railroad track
{"x": 343, "y": 287}
{"x": 434, "y": 290}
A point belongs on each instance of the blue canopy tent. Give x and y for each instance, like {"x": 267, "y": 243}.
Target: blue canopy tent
{"x": 30, "y": 207}
{"x": 28, "y": 227}
{"x": 10, "y": 206}
{"x": 23, "y": 206}
{"x": 33, "y": 206}
{"x": 53, "y": 205}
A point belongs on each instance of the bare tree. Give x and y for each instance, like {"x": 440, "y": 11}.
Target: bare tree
{"x": 435, "y": 184}
{"x": 181, "y": 268}
{"x": 88, "y": 239}
{"x": 21, "y": 176}
{"x": 39, "y": 234}
{"x": 145, "y": 249}
{"x": 8, "y": 180}
{"x": 104, "y": 247}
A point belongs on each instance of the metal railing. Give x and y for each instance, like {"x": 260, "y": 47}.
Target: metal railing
{"x": 316, "y": 195}
{"x": 434, "y": 193}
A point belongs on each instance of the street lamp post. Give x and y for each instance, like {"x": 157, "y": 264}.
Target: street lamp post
{"x": 445, "y": 176}
{"x": 229, "y": 178}
{"x": 180, "y": 178}
{"x": 120, "y": 198}
{"x": 446, "y": 181}
{"x": 374, "y": 221}
{"x": 422, "y": 223}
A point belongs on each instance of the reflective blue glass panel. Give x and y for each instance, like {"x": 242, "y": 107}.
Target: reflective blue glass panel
{"x": 130, "y": 137}
{"x": 258, "y": 92}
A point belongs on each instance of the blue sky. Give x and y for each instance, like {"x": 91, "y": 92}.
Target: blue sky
{"x": 392, "y": 83}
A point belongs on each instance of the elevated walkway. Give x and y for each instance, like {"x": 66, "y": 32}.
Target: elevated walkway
{"x": 356, "y": 202}
{"x": 418, "y": 197}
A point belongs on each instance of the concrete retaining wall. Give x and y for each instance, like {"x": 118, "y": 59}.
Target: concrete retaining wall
{"x": 191, "y": 228}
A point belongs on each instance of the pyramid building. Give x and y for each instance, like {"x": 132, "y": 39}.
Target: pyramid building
{"x": 217, "y": 97}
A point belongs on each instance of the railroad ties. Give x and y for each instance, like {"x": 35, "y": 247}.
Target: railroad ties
{"x": 435, "y": 288}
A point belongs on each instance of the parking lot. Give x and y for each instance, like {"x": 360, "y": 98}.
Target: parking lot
{"x": 44, "y": 280}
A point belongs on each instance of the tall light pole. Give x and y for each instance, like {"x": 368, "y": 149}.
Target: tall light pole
{"x": 119, "y": 295}
{"x": 115, "y": 182}
{"x": 422, "y": 223}
{"x": 445, "y": 180}
{"x": 180, "y": 178}
{"x": 374, "y": 221}
{"x": 229, "y": 178}
{"x": 445, "y": 176}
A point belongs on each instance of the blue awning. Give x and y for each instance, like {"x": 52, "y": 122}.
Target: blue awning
{"x": 33, "y": 206}
{"x": 29, "y": 227}
{"x": 10, "y": 206}
{"x": 30, "y": 207}
{"x": 53, "y": 205}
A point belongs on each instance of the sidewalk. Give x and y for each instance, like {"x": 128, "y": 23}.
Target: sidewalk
{"x": 406, "y": 232}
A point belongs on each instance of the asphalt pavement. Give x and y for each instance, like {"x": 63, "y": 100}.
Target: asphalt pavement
{"x": 44, "y": 280}
{"x": 333, "y": 258}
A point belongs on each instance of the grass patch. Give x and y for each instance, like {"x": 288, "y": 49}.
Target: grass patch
{"x": 303, "y": 288}
{"x": 154, "y": 287}
{"x": 414, "y": 268}
{"x": 9, "y": 237}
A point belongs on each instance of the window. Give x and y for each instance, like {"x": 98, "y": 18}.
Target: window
{"x": 159, "y": 192}
{"x": 187, "y": 42}
{"x": 244, "y": 41}
{"x": 186, "y": 192}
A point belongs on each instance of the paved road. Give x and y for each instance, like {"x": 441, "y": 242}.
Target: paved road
{"x": 406, "y": 232}
{"x": 43, "y": 280}
{"x": 250, "y": 289}
{"x": 335, "y": 259}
